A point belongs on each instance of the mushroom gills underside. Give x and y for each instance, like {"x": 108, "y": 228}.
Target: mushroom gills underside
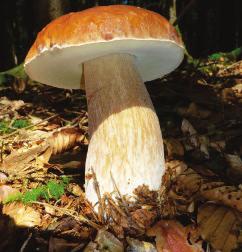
{"x": 60, "y": 66}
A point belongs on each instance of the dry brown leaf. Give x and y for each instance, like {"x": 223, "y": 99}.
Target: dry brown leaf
{"x": 64, "y": 139}
{"x": 139, "y": 246}
{"x": 194, "y": 141}
{"x": 24, "y": 216}
{"x": 188, "y": 129}
{"x": 219, "y": 226}
{"x": 75, "y": 189}
{"x": 218, "y": 145}
{"x": 175, "y": 168}
{"x": 237, "y": 89}
{"x": 108, "y": 241}
{"x": 38, "y": 152}
{"x": 29, "y": 135}
{"x": 143, "y": 217}
{"x": 174, "y": 147}
{"x": 72, "y": 165}
{"x": 235, "y": 165}
{"x": 192, "y": 185}
{"x": 62, "y": 245}
{"x": 228, "y": 195}
{"x": 193, "y": 110}
{"x": 171, "y": 236}
{"x": 23, "y": 157}
{"x": 91, "y": 247}
{"x": 231, "y": 70}
{"x": 6, "y": 191}
{"x": 10, "y": 105}
{"x": 3, "y": 177}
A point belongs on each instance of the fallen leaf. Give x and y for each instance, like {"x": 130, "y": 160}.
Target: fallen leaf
{"x": 139, "y": 246}
{"x": 204, "y": 144}
{"x": 38, "y": 152}
{"x": 192, "y": 185}
{"x": 11, "y": 105}
{"x": 3, "y": 177}
{"x": 193, "y": 110}
{"x": 194, "y": 141}
{"x": 235, "y": 165}
{"x": 218, "y": 145}
{"x": 173, "y": 147}
{"x": 91, "y": 247}
{"x": 219, "y": 192}
{"x": 64, "y": 139}
{"x": 23, "y": 216}
{"x": 171, "y": 236}
{"x": 6, "y": 191}
{"x": 75, "y": 189}
{"x": 232, "y": 70}
{"x": 238, "y": 88}
{"x": 143, "y": 217}
{"x": 62, "y": 245}
{"x": 108, "y": 241}
{"x": 219, "y": 225}
{"x": 188, "y": 129}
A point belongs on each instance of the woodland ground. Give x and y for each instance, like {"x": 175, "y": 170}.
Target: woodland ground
{"x": 44, "y": 137}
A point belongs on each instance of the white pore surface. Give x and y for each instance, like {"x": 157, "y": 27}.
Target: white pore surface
{"x": 62, "y": 67}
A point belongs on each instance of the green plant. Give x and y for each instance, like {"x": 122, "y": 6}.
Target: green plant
{"x": 52, "y": 190}
{"x": 5, "y": 126}
{"x": 20, "y": 123}
{"x": 228, "y": 56}
{"x": 16, "y": 72}
{"x": 13, "y": 197}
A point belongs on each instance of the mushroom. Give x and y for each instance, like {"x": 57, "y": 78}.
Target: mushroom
{"x": 115, "y": 49}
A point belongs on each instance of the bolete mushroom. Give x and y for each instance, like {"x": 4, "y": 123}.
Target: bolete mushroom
{"x": 116, "y": 48}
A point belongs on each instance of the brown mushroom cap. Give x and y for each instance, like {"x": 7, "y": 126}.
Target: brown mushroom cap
{"x": 57, "y": 55}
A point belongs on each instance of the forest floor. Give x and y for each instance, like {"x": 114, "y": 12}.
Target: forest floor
{"x": 44, "y": 141}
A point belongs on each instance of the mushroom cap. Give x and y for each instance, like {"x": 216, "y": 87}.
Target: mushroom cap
{"x": 59, "y": 50}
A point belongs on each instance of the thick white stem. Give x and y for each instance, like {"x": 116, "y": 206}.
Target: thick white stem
{"x": 125, "y": 136}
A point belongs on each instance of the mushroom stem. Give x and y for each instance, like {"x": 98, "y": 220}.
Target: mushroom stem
{"x": 126, "y": 147}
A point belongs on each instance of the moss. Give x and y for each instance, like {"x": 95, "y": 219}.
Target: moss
{"x": 52, "y": 190}
{"x": 5, "y": 126}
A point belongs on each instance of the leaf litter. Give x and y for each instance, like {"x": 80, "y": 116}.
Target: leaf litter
{"x": 199, "y": 206}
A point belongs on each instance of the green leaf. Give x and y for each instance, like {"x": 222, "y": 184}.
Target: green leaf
{"x": 13, "y": 197}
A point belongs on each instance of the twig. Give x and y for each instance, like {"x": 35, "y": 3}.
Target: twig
{"x": 184, "y": 11}
{"x": 1, "y": 154}
{"x": 118, "y": 209}
{"x": 125, "y": 206}
{"x": 28, "y": 127}
{"x": 120, "y": 196}
{"x": 124, "y": 214}
{"x": 78, "y": 248}
{"x": 25, "y": 243}
{"x": 77, "y": 216}
{"x": 87, "y": 203}
{"x": 97, "y": 189}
